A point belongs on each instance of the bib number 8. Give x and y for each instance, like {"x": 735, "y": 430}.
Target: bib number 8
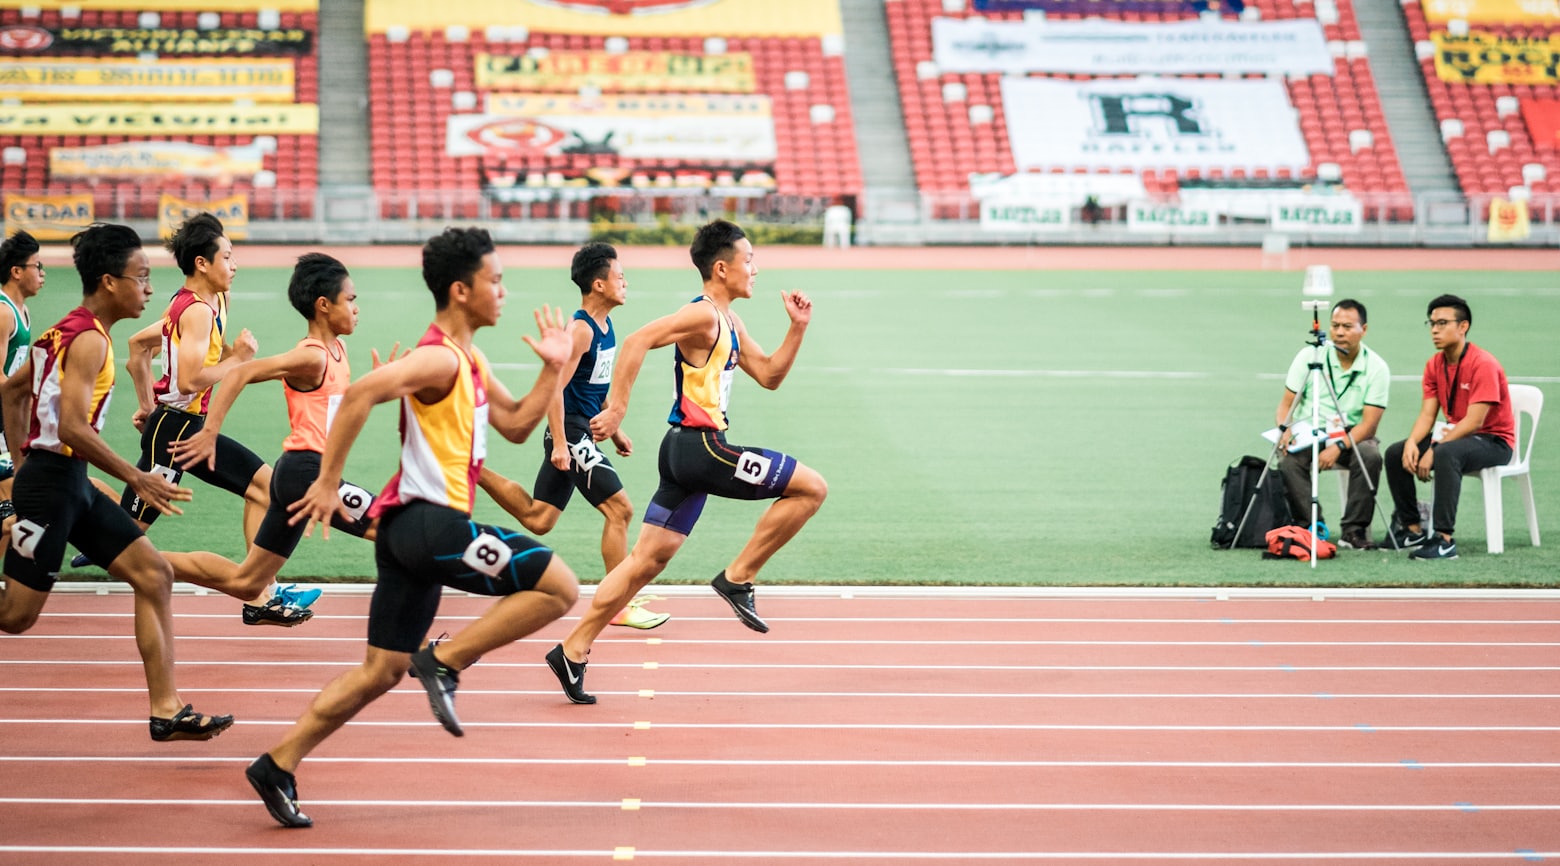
{"x": 487, "y": 554}
{"x": 753, "y": 468}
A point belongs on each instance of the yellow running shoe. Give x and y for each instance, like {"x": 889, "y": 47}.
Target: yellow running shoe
{"x": 635, "y": 615}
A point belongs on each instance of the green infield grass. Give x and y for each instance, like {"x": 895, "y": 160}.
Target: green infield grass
{"x": 975, "y": 427}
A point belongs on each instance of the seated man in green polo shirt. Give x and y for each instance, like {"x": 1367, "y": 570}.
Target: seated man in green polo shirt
{"x": 1360, "y": 379}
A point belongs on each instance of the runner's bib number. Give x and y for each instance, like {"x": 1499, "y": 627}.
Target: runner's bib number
{"x": 355, "y": 499}
{"x": 753, "y": 467}
{"x": 486, "y": 554}
{"x": 586, "y": 455}
{"x": 25, "y": 536}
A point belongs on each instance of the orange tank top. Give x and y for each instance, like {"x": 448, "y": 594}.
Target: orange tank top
{"x": 310, "y": 412}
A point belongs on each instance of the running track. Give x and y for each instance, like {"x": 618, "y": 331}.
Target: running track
{"x": 869, "y": 726}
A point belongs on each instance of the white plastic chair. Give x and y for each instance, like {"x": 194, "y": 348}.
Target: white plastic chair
{"x": 1525, "y": 400}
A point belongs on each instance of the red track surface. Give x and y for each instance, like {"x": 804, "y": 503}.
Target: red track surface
{"x": 860, "y": 730}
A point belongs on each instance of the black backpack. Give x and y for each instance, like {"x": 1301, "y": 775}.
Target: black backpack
{"x": 1270, "y": 509}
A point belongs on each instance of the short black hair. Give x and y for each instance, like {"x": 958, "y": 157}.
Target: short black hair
{"x": 714, "y": 242}
{"x": 102, "y": 248}
{"x": 197, "y": 238}
{"x": 15, "y": 252}
{"x": 1461, "y": 306}
{"x": 453, "y": 256}
{"x": 315, "y": 276}
{"x": 1351, "y": 304}
{"x": 592, "y": 262}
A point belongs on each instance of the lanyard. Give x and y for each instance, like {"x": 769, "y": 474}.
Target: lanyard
{"x": 1451, "y": 398}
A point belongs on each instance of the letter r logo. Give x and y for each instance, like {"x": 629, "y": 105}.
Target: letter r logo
{"x": 1123, "y": 113}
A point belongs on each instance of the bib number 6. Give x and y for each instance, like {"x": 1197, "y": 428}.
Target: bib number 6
{"x": 486, "y": 554}
{"x": 355, "y": 499}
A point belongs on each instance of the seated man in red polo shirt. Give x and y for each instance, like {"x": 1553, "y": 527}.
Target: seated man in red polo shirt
{"x": 1467, "y": 386}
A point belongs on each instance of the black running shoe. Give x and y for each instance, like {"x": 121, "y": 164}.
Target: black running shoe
{"x": 275, "y": 612}
{"x": 81, "y": 560}
{"x": 1435, "y": 549}
{"x": 570, "y": 675}
{"x": 1404, "y": 539}
{"x": 440, "y": 683}
{"x": 279, "y": 790}
{"x": 740, "y": 597}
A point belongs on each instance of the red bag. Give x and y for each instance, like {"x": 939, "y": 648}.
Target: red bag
{"x": 1295, "y": 541}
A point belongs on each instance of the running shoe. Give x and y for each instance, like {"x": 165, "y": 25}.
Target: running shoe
{"x": 81, "y": 560}
{"x": 740, "y": 597}
{"x": 278, "y": 789}
{"x": 1406, "y": 538}
{"x": 635, "y": 616}
{"x": 1435, "y": 549}
{"x": 275, "y": 612}
{"x": 570, "y": 675}
{"x": 292, "y": 596}
{"x": 440, "y": 683}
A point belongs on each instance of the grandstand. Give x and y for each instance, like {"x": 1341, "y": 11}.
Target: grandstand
{"x": 542, "y": 117}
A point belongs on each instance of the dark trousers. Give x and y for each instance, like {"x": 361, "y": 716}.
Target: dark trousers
{"x": 1452, "y": 459}
{"x": 1361, "y": 501}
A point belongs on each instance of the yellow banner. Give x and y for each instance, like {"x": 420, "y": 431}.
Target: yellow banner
{"x": 172, "y": 211}
{"x": 614, "y": 17}
{"x": 1484, "y": 58}
{"x": 1493, "y": 11}
{"x": 1508, "y": 221}
{"x": 47, "y": 217}
{"x": 159, "y": 119}
{"x": 653, "y": 71}
{"x": 169, "y": 5}
{"x": 188, "y": 80}
{"x": 147, "y": 160}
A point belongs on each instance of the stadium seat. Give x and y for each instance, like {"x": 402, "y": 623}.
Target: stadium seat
{"x": 1527, "y": 402}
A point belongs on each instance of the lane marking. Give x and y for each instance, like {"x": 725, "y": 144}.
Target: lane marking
{"x": 805, "y": 762}
{"x": 722, "y": 856}
{"x": 404, "y": 691}
{"x": 189, "y": 663}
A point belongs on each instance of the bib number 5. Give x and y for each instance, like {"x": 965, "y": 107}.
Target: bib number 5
{"x": 487, "y": 554}
{"x": 753, "y": 467}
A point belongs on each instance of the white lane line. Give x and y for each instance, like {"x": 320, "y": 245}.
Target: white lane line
{"x": 967, "y": 669}
{"x": 1253, "y": 642}
{"x": 617, "y": 805}
{"x": 1130, "y": 696}
{"x": 894, "y": 763}
{"x": 824, "y": 725}
{"x": 719, "y": 856}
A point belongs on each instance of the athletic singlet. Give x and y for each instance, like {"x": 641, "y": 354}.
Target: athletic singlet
{"x": 443, "y": 443}
{"x": 703, "y": 390}
{"x": 587, "y": 388}
{"x": 47, "y": 354}
{"x": 16, "y": 349}
{"x": 167, "y": 388}
{"x": 309, "y": 413}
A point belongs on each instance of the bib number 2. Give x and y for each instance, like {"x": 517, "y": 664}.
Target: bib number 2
{"x": 487, "y": 554}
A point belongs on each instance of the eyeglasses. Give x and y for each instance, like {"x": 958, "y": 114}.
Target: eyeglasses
{"x": 38, "y": 265}
{"x": 1440, "y": 323}
{"x": 142, "y": 280}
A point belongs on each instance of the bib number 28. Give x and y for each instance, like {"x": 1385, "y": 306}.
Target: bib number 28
{"x": 487, "y": 554}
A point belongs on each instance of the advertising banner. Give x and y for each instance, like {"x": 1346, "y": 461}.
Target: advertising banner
{"x": 178, "y": 5}
{"x": 198, "y": 80}
{"x": 48, "y": 217}
{"x": 1493, "y": 11}
{"x": 23, "y": 39}
{"x": 1157, "y": 217}
{"x": 1024, "y": 215}
{"x": 728, "y": 18}
{"x": 685, "y": 128}
{"x": 159, "y": 119}
{"x": 233, "y": 210}
{"x": 646, "y": 71}
{"x": 1098, "y": 47}
{"x": 1318, "y": 214}
{"x": 1509, "y": 221}
{"x": 1485, "y": 58}
{"x": 1152, "y": 123}
{"x": 1542, "y": 117}
{"x": 153, "y": 160}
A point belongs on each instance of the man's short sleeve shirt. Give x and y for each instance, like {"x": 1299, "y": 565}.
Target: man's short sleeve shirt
{"x": 1366, "y": 382}
{"x": 1476, "y": 378}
